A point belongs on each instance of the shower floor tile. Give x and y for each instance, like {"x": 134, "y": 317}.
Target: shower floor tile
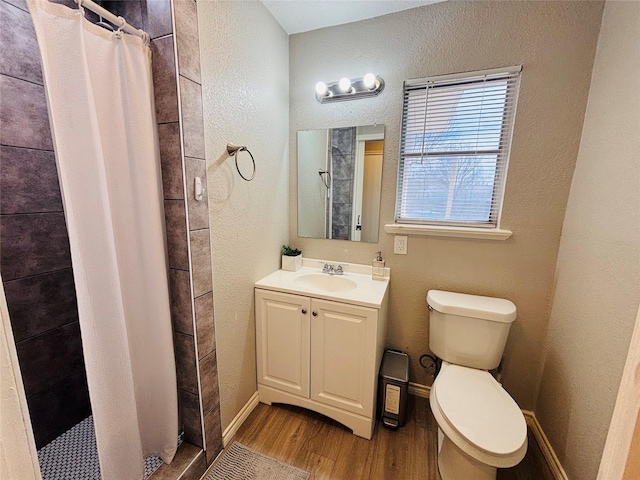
{"x": 74, "y": 456}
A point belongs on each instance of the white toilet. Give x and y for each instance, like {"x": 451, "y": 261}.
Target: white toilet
{"x": 480, "y": 427}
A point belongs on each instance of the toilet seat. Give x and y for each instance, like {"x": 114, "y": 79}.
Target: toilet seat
{"x": 480, "y": 416}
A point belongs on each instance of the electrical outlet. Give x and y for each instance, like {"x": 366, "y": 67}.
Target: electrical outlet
{"x": 400, "y": 245}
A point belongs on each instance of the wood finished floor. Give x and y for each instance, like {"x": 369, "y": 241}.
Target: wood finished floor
{"x": 329, "y": 450}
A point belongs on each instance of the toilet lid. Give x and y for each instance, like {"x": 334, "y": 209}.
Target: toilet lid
{"x": 481, "y": 410}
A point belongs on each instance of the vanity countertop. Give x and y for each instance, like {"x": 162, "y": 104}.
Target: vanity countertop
{"x": 355, "y": 286}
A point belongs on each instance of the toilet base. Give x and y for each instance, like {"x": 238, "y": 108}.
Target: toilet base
{"x": 454, "y": 464}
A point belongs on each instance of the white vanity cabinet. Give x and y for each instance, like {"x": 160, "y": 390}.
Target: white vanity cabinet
{"x": 282, "y": 341}
{"x": 344, "y": 370}
{"x": 320, "y": 354}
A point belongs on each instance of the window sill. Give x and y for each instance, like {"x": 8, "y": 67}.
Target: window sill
{"x": 440, "y": 231}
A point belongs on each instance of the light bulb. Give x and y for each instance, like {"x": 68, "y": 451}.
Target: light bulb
{"x": 344, "y": 84}
{"x": 321, "y": 88}
{"x": 369, "y": 80}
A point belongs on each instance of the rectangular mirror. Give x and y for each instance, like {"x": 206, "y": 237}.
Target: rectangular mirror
{"x": 339, "y": 183}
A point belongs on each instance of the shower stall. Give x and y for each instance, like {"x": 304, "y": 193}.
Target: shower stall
{"x": 46, "y": 295}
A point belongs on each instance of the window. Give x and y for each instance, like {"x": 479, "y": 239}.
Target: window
{"x": 454, "y": 148}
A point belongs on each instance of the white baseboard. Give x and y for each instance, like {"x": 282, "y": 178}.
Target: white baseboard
{"x": 545, "y": 446}
{"x": 239, "y": 419}
{"x": 550, "y": 456}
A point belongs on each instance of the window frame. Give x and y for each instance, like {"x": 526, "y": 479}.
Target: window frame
{"x": 486, "y": 229}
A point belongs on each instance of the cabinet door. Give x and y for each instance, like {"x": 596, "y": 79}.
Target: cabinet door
{"x": 343, "y": 352}
{"x": 282, "y": 341}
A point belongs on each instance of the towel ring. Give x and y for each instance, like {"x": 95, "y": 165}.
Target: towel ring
{"x": 233, "y": 151}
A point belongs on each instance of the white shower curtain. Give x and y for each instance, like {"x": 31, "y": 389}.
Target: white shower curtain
{"x": 101, "y": 110}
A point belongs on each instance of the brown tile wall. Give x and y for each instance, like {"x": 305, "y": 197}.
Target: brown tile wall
{"x": 35, "y": 260}
{"x": 192, "y": 130}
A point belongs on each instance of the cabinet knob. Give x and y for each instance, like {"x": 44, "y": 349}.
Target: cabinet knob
{"x": 315, "y": 314}
{"x": 304, "y": 311}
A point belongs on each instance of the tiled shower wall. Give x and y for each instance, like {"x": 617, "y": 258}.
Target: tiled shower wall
{"x": 189, "y": 247}
{"x": 343, "y": 155}
{"x": 35, "y": 260}
{"x": 180, "y": 128}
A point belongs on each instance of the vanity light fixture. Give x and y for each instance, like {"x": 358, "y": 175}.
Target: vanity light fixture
{"x": 369, "y": 80}
{"x": 347, "y": 89}
{"x": 321, "y": 88}
{"x": 345, "y": 85}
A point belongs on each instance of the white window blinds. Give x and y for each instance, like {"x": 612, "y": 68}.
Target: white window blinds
{"x": 454, "y": 148}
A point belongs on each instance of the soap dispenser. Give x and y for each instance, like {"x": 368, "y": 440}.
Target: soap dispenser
{"x": 377, "y": 272}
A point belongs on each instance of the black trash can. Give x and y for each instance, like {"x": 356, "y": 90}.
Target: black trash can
{"x": 393, "y": 388}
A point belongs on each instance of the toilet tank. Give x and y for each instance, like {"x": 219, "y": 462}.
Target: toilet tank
{"x": 469, "y": 330}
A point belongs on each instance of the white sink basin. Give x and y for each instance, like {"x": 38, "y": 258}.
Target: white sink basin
{"x": 326, "y": 283}
{"x": 355, "y": 287}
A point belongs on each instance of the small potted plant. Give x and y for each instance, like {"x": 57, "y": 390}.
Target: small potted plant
{"x": 291, "y": 258}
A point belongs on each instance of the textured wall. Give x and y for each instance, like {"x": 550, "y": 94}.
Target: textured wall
{"x": 555, "y": 42}
{"x": 598, "y": 273}
{"x": 245, "y": 81}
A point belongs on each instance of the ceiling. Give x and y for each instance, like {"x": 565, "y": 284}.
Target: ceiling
{"x": 297, "y": 16}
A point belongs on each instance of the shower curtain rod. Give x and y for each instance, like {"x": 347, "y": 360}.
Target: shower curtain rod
{"x": 119, "y": 22}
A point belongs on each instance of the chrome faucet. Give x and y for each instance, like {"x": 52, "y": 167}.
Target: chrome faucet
{"x": 332, "y": 269}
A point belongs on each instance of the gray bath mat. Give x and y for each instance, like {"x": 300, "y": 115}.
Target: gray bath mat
{"x": 241, "y": 463}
